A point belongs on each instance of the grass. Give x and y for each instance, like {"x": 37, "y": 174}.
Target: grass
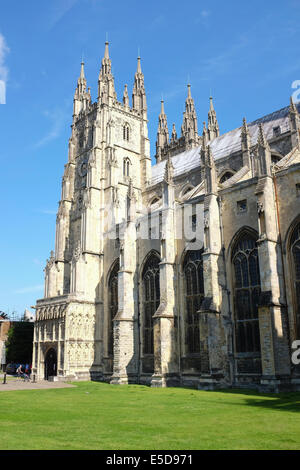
{"x": 101, "y": 416}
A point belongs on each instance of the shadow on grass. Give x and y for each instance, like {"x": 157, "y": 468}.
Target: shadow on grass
{"x": 285, "y": 401}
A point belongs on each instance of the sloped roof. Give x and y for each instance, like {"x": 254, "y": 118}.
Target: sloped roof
{"x": 225, "y": 144}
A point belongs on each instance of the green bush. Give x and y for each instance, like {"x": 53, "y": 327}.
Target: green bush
{"x": 19, "y": 342}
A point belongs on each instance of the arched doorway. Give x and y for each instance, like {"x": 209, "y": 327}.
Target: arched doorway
{"x": 50, "y": 364}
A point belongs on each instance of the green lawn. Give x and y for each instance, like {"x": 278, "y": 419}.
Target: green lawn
{"x": 101, "y": 416}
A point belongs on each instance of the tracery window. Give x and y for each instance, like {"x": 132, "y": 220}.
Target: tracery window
{"x": 194, "y": 294}
{"x": 126, "y": 167}
{"x": 126, "y": 132}
{"x": 112, "y": 304}
{"x": 295, "y": 252}
{"x": 226, "y": 176}
{"x": 151, "y": 300}
{"x": 246, "y": 294}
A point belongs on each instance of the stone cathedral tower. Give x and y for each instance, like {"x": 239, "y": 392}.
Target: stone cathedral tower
{"x": 186, "y": 272}
{"x": 108, "y": 161}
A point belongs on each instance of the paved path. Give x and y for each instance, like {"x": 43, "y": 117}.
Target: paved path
{"x": 19, "y": 384}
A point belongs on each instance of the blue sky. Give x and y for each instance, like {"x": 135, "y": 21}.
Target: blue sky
{"x": 247, "y": 54}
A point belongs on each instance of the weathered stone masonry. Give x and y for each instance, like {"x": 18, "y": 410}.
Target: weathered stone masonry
{"x": 183, "y": 273}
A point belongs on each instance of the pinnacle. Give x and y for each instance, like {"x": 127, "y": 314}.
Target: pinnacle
{"x": 292, "y": 105}
{"x": 82, "y": 70}
{"x": 106, "y": 52}
{"x": 139, "y": 68}
{"x": 261, "y": 140}
{"x": 245, "y": 126}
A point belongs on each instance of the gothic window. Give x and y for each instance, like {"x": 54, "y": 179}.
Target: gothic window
{"x": 295, "y": 252}
{"x": 154, "y": 201}
{"x": 194, "y": 294}
{"x": 186, "y": 190}
{"x": 112, "y": 304}
{"x": 226, "y": 176}
{"x": 126, "y": 167}
{"x": 126, "y": 132}
{"x": 246, "y": 294}
{"x": 151, "y": 299}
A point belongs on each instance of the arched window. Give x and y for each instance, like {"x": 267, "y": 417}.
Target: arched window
{"x": 126, "y": 132}
{"x": 154, "y": 201}
{"x": 112, "y": 304}
{"x": 126, "y": 167}
{"x": 151, "y": 300}
{"x": 186, "y": 190}
{"x": 295, "y": 254}
{"x": 246, "y": 294}
{"x": 194, "y": 294}
{"x": 226, "y": 176}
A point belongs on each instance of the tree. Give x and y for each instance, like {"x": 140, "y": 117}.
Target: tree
{"x": 19, "y": 342}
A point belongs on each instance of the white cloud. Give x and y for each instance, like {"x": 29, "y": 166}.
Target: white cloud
{"x": 58, "y": 118}
{"x": 205, "y": 13}
{"x": 59, "y": 10}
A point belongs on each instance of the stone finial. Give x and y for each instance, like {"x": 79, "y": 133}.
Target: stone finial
{"x": 262, "y": 153}
{"x": 204, "y": 135}
{"x": 189, "y": 128}
{"x": 125, "y": 97}
{"x": 162, "y": 139}
{"x": 261, "y": 139}
{"x": 138, "y": 93}
{"x": 212, "y": 122}
{"x": 294, "y": 123}
{"x": 174, "y": 133}
{"x": 139, "y": 68}
{"x": 106, "y": 87}
{"x": 106, "y": 52}
{"x": 293, "y": 108}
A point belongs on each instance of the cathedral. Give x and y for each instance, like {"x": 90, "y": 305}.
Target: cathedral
{"x": 182, "y": 273}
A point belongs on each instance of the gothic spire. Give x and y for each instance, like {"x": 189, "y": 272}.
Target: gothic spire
{"x": 245, "y": 143}
{"x": 245, "y": 136}
{"x": 106, "y": 52}
{"x": 204, "y": 135}
{"x": 261, "y": 139}
{"x": 212, "y": 122}
{"x": 81, "y": 97}
{"x": 138, "y": 94}
{"x": 106, "y": 87}
{"x": 293, "y": 108}
{"x": 174, "y": 134}
{"x": 162, "y": 132}
{"x": 81, "y": 82}
{"x": 294, "y": 123}
{"x": 263, "y": 153}
{"x": 189, "y": 128}
{"x": 125, "y": 97}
